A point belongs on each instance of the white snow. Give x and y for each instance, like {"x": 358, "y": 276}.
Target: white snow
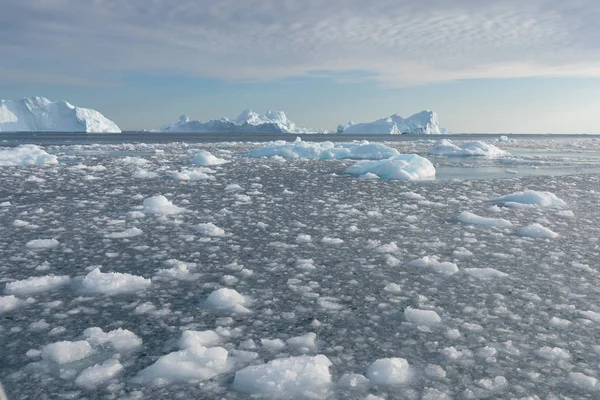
{"x": 532, "y": 197}
{"x": 112, "y": 283}
{"x": 36, "y": 284}
{"x": 407, "y": 167}
{"x": 292, "y": 377}
{"x": 472, "y": 219}
{"x": 210, "y": 229}
{"x": 26, "y": 154}
{"x": 161, "y": 205}
{"x": 325, "y": 150}
{"x": 205, "y": 158}
{"x": 42, "y": 244}
{"x": 98, "y": 374}
{"x": 38, "y": 114}
{"x": 228, "y": 300}
{"x": 423, "y": 123}
{"x": 446, "y": 148}
{"x": 536, "y": 231}
{"x": 389, "y": 372}
{"x": 422, "y": 317}
{"x": 65, "y": 352}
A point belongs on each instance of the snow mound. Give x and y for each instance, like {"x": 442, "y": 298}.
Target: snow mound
{"x": 532, "y": 197}
{"x": 537, "y": 231}
{"x": 42, "y": 244}
{"x": 227, "y": 300}
{"x": 66, "y": 352}
{"x": 161, "y": 205}
{"x": 406, "y": 167}
{"x": 247, "y": 122}
{"x": 389, "y": 372}
{"x": 210, "y": 229}
{"x": 446, "y": 148}
{"x": 26, "y": 154}
{"x": 292, "y": 377}
{"x": 423, "y": 123}
{"x": 422, "y": 317}
{"x": 325, "y": 150}
{"x": 37, "y": 284}
{"x": 38, "y": 114}
{"x": 471, "y": 219}
{"x": 205, "y": 158}
{"x": 112, "y": 283}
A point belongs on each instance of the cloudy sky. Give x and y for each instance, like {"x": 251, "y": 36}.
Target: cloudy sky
{"x": 483, "y": 65}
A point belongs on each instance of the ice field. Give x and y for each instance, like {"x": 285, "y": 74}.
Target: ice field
{"x": 411, "y": 269}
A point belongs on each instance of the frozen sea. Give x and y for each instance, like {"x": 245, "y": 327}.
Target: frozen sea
{"x": 128, "y": 272}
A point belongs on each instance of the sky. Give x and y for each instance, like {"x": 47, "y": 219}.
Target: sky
{"x": 485, "y": 66}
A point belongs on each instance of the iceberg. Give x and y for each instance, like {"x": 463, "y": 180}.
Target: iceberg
{"x": 38, "y": 114}
{"x": 26, "y": 154}
{"x": 326, "y": 150}
{"x": 247, "y": 122}
{"x": 476, "y": 149}
{"x": 423, "y": 123}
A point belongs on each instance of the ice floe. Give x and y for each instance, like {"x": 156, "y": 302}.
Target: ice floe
{"x": 112, "y": 283}
{"x": 161, "y": 205}
{"x": 536, "y": 231}
{"x": 531, "y": 197}
{"x": 37, "y": 284}
{"x": 406, "y": 167}
{"x": 446, "y": 148}
{"x": 472, "y": 219}
{"x": 26, "y": 154}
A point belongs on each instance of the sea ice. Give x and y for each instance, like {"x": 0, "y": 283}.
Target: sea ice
{"x": 210, "y": 229}
{"x": 472, "y": 219}
{"x": 406, "y": 167}
{"x": 536, "y": 231}
{"x": 205, "y": 158}
{"x": 42, "y": 244}
{"x": 228, "y": 300}
{"x": 292, "y": 377}
{"x": 9, "y": 303}
{"x": 66, "y": 352}
{"x": 532, "y": 197}
{"x": 112, "y": 283}
{"x": 389, "y": 372}
{"x": 98, "y": 374}
{"x": 422, "y": 317}
{"x": 161, "y": 205}
{"x": 128, "y": 233}
{"x": 26, "y": 154}
{"x": 446, "y": 148}
{"x": 36, "y": 284}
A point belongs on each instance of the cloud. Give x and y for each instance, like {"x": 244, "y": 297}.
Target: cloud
{"x": 393, "y": 42}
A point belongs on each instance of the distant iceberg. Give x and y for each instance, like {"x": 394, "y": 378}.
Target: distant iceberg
{"x": 247, "y": 122}
{"x": 423, "y": 123}
{"x": 38, "y": 114}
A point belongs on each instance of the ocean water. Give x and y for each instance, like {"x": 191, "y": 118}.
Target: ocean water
{"x": 323, "y": 264}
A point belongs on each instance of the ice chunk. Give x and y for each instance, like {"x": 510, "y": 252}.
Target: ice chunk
{"x": 292, "y": 377}
{"x": 66, "y": 352}
{"x": 325, "y": 150}
{"x": 305, "y": 342}
{"x": 532, "y": 197}
{"x": 210, "y": 229}
{"x": 112, "y": 283}
{"x": 422, "y": 317}
{"x": 9, "y": 303}
{"x": 406, "y": 167}
{"x": 485, "y": 273}
{"x": 553, "y": 353}
{"x": 161, "y": 205}
{"x": 128, "y": 233}
{"x": 191, "y": 339}
{"x": 469, "y": 218}
{"x": 446, "y": 148}
{"x": 143, "y": 174}
{"x": 444, "y": 268}
{"x": 272, "y": 344}
{"x": 583, "y": 382}
{"x": 26, "y": 154}
{"x": 389, "y": 372}
{"x": 37, "y": 284}
{"x": 353, "y": 382}
{"x": 536, "y": 231}
{"x": 205, "y": 158}
{"x": 97, "y": 374}
{"x": 42, "y": 244}
{"x": 228, "y": 300}
{"x": 119, "y": 339}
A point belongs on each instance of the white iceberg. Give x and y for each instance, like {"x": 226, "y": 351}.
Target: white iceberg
{"x": 26, "y": 154}
{"x": 405, "y": 167}
{"x": 446, "y": 148}
{"x": 112, "y": 283}
{"x": 205, "y": 158}
{"x": 38, "y": 114}
{"x": 423, "y": 123}
{"x": 247, "y": 122}
{"x": 325, "y": 150}
{"x": 161, "y": 205}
